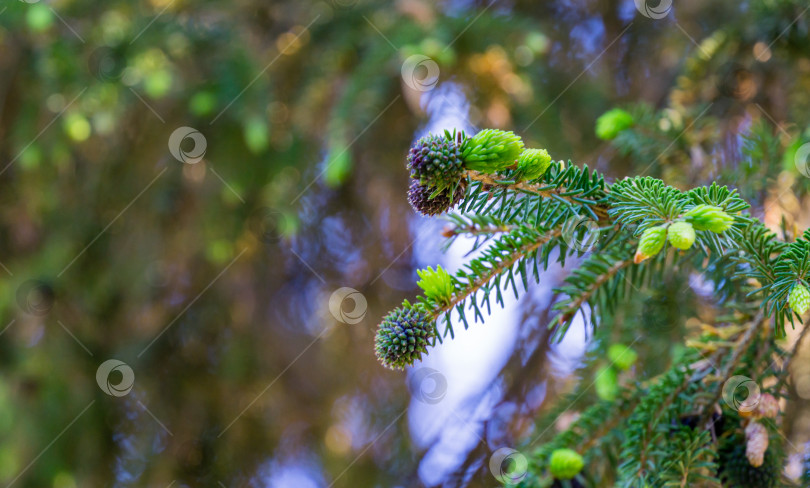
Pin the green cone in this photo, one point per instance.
(610, 123)
(532, 164)
(651, 242)
(403, 336)
(681, 235)
(622, 357)
(491, 150)
(709, 217)
(564, 464)
(606, 383)
(799, 299)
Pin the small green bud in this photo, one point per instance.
(491, 150)
(606, 382)
(651, 242)
(709, 217)
(564, 464)
(799, 299)
(40, 17)
(437, 284)
(532, 164)
(610, 123)
(681, 235)
(622, 356)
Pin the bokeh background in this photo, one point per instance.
(204, 262)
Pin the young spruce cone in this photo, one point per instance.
(435, 161)
(403, 336)
(419, 198)
(799, 299)
(564, 464)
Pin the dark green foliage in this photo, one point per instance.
(693, 462)
(649, 423)
(574, 483)
(645, 201)
(735, 471)
(522, 223)
(793, 266)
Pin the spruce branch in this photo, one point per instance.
(520, 207)
(737, 350)
(644, 430)
(518, 245)
(565, 183)
(693, 463)
(585, 282)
